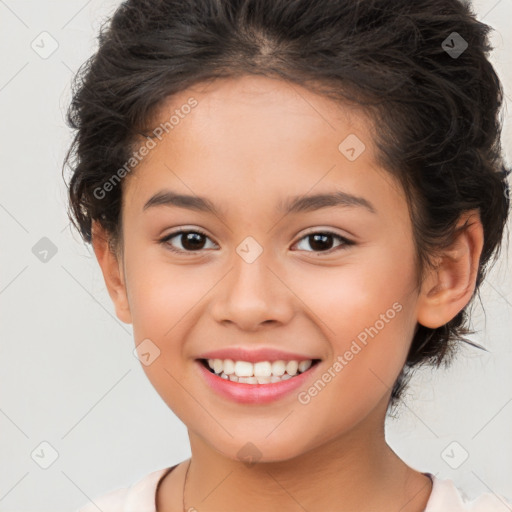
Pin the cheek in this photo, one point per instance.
(161, 295)
(162, 299)
(368, 287)
(366, 311)
(369, 347)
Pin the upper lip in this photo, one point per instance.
(254, 355)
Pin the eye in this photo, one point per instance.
(320, 240)
(191, 240)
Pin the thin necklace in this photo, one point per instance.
(190, 461)
(185, 484)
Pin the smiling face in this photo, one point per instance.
(254, 276)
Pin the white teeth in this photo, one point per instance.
(262, 372)
(248, 380)
(262, 369)
(217, 365)
(292, 367)
(229, 367)
(304, 365)
(278, 368)
(243, 369)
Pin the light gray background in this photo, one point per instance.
(68, 374)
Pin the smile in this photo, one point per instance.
(261, 372)
(258, 382)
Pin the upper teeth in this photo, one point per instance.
(259, 369)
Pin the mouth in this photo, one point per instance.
(260, 372)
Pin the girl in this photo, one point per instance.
(294, 203)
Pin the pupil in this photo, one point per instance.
(315, 238)
(193, 239)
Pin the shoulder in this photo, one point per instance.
(446, 497)
(111, 502)
(138, 497)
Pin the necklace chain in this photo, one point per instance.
(185, 484)
(190, 462)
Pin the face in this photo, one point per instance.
(333, 282)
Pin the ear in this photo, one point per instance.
(448, 288)
(112, 270)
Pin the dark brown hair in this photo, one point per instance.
(435, 113)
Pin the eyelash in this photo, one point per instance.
(165, 241)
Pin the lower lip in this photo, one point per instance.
(254, 393)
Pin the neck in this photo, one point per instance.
(347, 470)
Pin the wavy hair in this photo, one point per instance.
(436, 115)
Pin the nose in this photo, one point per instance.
(253, 295)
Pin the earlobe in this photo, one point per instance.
(112, 271)
(449, 287)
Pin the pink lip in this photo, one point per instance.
(254, 393)
(254, 355)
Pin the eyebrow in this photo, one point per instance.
(296, 204)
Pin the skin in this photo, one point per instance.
(251, 142)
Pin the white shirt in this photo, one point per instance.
(141, 497)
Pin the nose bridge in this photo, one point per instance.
(252, 293)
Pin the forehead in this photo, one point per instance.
(256, 138)
(265, 106)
